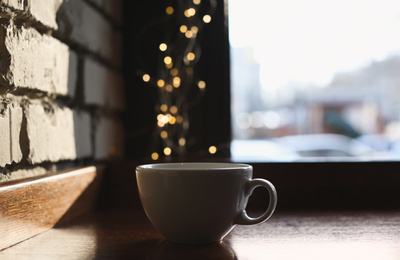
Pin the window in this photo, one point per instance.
(312, 80)
(302, 184)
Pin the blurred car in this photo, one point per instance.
(325, 145)
(311, 147)
(261, 151)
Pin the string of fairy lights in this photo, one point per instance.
(178, 53)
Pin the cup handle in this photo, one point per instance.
(243, 218)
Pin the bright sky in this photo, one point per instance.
(310, 40)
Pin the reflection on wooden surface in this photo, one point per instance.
(29, 207)
(287, 235)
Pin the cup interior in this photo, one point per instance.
(193, 166)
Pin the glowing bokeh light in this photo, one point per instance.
(176, 82)
(164, 134)
(173, 109)
(201, 84)
(212, 149)
(174, 72)
(160, 83)
(164, 107)
(191, 56)
(146, 77)
(167, 151)
(207, 18)
(182, 141)
(163, 47)
(183, 28)
(169, 10)
(167, 60)
(154, 156)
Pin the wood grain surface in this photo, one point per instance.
(287, 235)
(31, 206)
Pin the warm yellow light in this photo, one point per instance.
(169, 88)
(172, 120)
(191, 56)
(174, 72)
(183, 28)
(191, 11)
(201, 84)
(196, 2)
(159, 117)
(160, 124)
(212, 149)
(164, 107)
(167, 60)
(167, 151)
(154, 156)
(194, 29)
(182, 141)
(165, 119)
(179, 119)
(173, 109)
(186, 13)
(169, 66)
(188, 34)
(160, 83)
(176, 82)
(169, 10)
(164, 134)
(163, 47)
(146, 77)
(206, 18)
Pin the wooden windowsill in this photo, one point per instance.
(31, 206)
(119, 229)
(115, 234)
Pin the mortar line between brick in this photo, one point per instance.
(109, 18)
(11, 133)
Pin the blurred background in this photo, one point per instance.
(314, 80)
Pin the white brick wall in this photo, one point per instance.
(83, 134)
(36, 61)
(61, 87)
(112, 8)
(72, 73)
(103, 86)
(83, 25)
(10, 128)
(16, 4)
(44, 11)
(50, 131)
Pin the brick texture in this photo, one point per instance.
(10, 128)
(72, 73)
(81, 24)
(44, 11)
(15, 4)
(50, 132)
(61, 86)
(36, 61)
(83, 134)
(113, 9)
(103, 87)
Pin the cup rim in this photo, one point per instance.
(193, 166)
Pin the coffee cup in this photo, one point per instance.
(199, 202)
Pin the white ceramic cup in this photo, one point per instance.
(199, 202)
